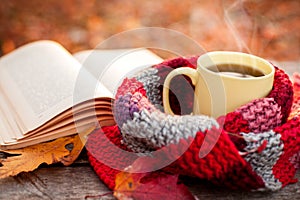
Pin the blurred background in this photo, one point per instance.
(270, 29)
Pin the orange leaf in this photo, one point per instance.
(151, 185)
(126, 184)
(155, 185)
(64, 150)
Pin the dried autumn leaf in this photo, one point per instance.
(126, 184)
(155, 185)
(149, 185)
(64, 150)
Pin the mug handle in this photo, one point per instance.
(190, 72)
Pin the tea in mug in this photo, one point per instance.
(241, 71)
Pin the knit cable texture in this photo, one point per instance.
(258, 144)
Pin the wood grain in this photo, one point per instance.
(59, 182)
(207, 191)
(79, 181)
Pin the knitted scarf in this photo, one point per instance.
(257, 146)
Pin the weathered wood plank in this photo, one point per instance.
(207, 191)
(79, 181)
(53, 183)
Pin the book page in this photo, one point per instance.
(9, 127)
(110, 67)
(39, 81)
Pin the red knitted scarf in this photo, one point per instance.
(258, 146)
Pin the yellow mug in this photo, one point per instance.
(224, 81)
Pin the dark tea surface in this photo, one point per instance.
(241, 71)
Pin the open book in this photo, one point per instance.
(47, 93)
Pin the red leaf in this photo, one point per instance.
(150, 186)
(162, 186)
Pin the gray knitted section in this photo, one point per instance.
(150, 79)
(149, 131)
(263, 162)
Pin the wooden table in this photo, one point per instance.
(79, 181)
